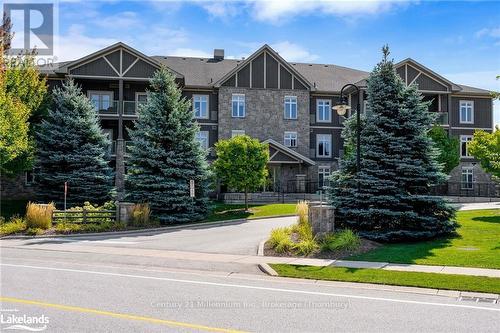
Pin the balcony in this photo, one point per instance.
(442, 118)
(112, 109)
(129, 108)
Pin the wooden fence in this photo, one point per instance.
(83, 216)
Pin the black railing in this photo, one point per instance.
(468, 189)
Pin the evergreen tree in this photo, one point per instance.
(398, 167)
(166, 156)
(73, 149)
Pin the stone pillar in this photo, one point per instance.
(322, 219)
(120, 149)
(124, 212)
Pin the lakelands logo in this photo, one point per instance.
(12, 321)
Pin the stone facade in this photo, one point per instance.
(264, 115)
(17, 188)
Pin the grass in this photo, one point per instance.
(221, 212)
(343, 240)
(476, 245)
(16, 225)
(379, 276)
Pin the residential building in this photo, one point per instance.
(286, 104)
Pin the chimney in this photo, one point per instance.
(218, 54)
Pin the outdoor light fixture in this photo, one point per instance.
(341, 110)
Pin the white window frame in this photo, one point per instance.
(101, 93)
(468, 172)
(237, 132)
(290, 100)
(464, 103)
(202, 116)
(203, 138)
(326, 172)
(288, 139)
(240, 100)
(328, 140)
(465, 139)
(137, 94)
(318, 118)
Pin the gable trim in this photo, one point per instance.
(450, 86)
(287, 151)
(266, 50)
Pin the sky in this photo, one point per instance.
(458, 39)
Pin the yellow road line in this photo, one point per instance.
(119, 315)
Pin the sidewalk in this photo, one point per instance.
(254, 259)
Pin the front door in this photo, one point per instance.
(274, 178)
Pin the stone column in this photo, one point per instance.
(124, 211)
(322, 218)
(120, 149)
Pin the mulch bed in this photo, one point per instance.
(366, 246)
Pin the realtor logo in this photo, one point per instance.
(33, 27)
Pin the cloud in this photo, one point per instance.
(293, 52)
(489, 32)
(278, 11)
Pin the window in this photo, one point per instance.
(323, 174)
(323, 145)
(291, 139)
(467, 178)
(140, 99)
(29, 177)
(466, 112)
(237, 132)
(101, 100)
(238, 106)
(290, 107)
(464, 143)
(202, 137)
(323, 111)
(200, 106)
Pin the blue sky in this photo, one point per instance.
(458, 39)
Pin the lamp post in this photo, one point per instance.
(341, 109)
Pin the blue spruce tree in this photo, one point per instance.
(72, 148)
(398, 166)
(166, 156)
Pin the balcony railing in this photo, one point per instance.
(442, 118)
(129, 108)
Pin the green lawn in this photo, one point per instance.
(221, 212)
(477, 245)
(379, 276)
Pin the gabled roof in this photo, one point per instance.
(290, 152)
(66, 66)
(274, 54)
(414, 63)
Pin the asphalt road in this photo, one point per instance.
(86, 294)
(228, 237)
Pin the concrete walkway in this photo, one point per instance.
(57, 245)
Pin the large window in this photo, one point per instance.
(238, 102)
(323, 111)
(464, 145)
(237, 132)
(323, 174)
(200, 106)
(290, 139)
(290, 107)
(202, 137)
(467, 178)
(101, 100)
(323, 145)
(466, 112)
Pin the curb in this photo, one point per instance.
(267, 269)
(260, 250)
(144, 231)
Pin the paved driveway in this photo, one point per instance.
(230, 238)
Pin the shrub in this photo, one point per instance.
(39, 215)
(15, 225)
(34, 231)
(342, 240)
(280, 240)
(68, 228)
(302, 210)
(140, 215)
(306, 247)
